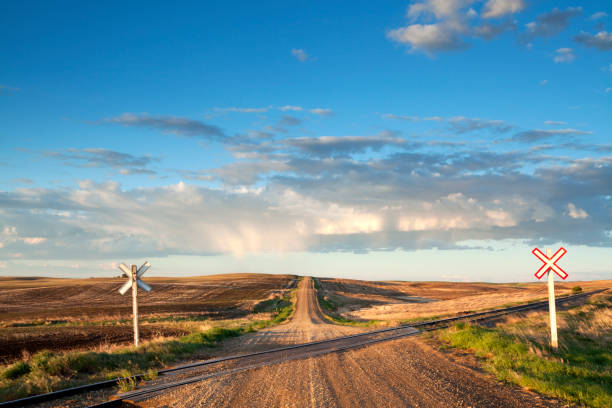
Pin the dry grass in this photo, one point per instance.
(518, 350)
(402, 301)
(591, 322)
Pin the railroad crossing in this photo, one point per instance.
(135, 282)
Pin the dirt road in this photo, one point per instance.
(398, 373)
(306, 325)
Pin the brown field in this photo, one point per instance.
(396, 300)
(66, 314)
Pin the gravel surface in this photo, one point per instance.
(398, 373)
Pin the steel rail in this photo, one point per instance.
(145, 393)
(434, 323)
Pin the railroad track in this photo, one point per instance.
(190, 373)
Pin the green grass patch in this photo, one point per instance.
(329, 310)
(271, 305)
(46, 371)
(348, 322)
(517, 351)
(328, 304)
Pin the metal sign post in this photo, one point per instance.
(550, 265)
(134, 282)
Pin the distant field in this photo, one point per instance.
(66, 314)
(397, 301)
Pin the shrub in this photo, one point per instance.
(16, 370)
(576, 289)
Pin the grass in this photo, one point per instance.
(518, 351)
(329, 310)
(46, 371)
(271, 305)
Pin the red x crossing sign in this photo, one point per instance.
(550, 263)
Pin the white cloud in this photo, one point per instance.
(428, 37)
(446, 25)
(564, 55)
(322, 111)
(442, 9)
(34, 240)
(544, 82)
(456, 211)
(290, 108)
(555, 122)
(9, 231)
(300, 54)
(598, 15)
(576, 213)
(321, 194)
(500, 8)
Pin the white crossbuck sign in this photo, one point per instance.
(145, 267)
(550, 262)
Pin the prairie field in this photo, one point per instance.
(395, 301)
(72, 314)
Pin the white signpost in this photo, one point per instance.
(134, 282)
(550, 266)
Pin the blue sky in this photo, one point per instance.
(404, 140)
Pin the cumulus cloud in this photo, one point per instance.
(500, 8)
(313, 200)
(300, 54)
(169, 124)
(576, 213)
(602, 40)
(446, 34)
(564, 55)
(34, 240)
(428, 37)
(448, 25)
(550, 24)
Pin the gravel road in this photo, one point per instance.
(398, 373)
